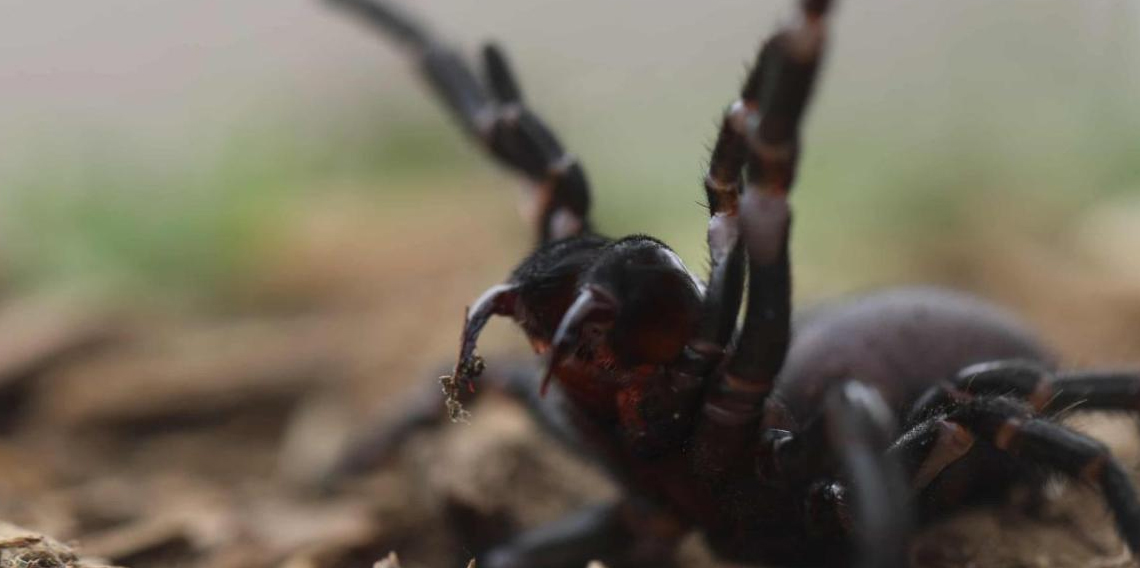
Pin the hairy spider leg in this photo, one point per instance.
(767, 122)
(1045, 390)
(497, 117)
(776, 94)
(1010, 428)
(851, 434)
(859, 426)
(725, 289)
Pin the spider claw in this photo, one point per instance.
(499, 75)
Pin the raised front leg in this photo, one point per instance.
(725, 289)
(496, 116)
(768, 119)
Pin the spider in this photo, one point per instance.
(824, 448)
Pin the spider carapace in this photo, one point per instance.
(882, 413)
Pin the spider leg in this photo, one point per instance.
(496, 116)
(1005, 426)
(868, 505)
(1045, 390)
(725, 289)
(623, 534)
(768, 119)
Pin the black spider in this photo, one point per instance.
(778, 451)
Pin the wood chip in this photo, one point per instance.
(40, 333)
(192, 373)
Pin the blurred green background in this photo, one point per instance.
(157, 150)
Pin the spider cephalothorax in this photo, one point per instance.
(883, 412)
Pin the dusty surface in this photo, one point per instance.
(21, 548)
(153, 440)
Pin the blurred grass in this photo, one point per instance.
(861, 205)
(112, 227)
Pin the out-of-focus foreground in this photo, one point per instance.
(231, 235)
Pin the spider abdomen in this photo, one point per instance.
(900, 341)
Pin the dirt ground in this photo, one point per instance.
(147, 439)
